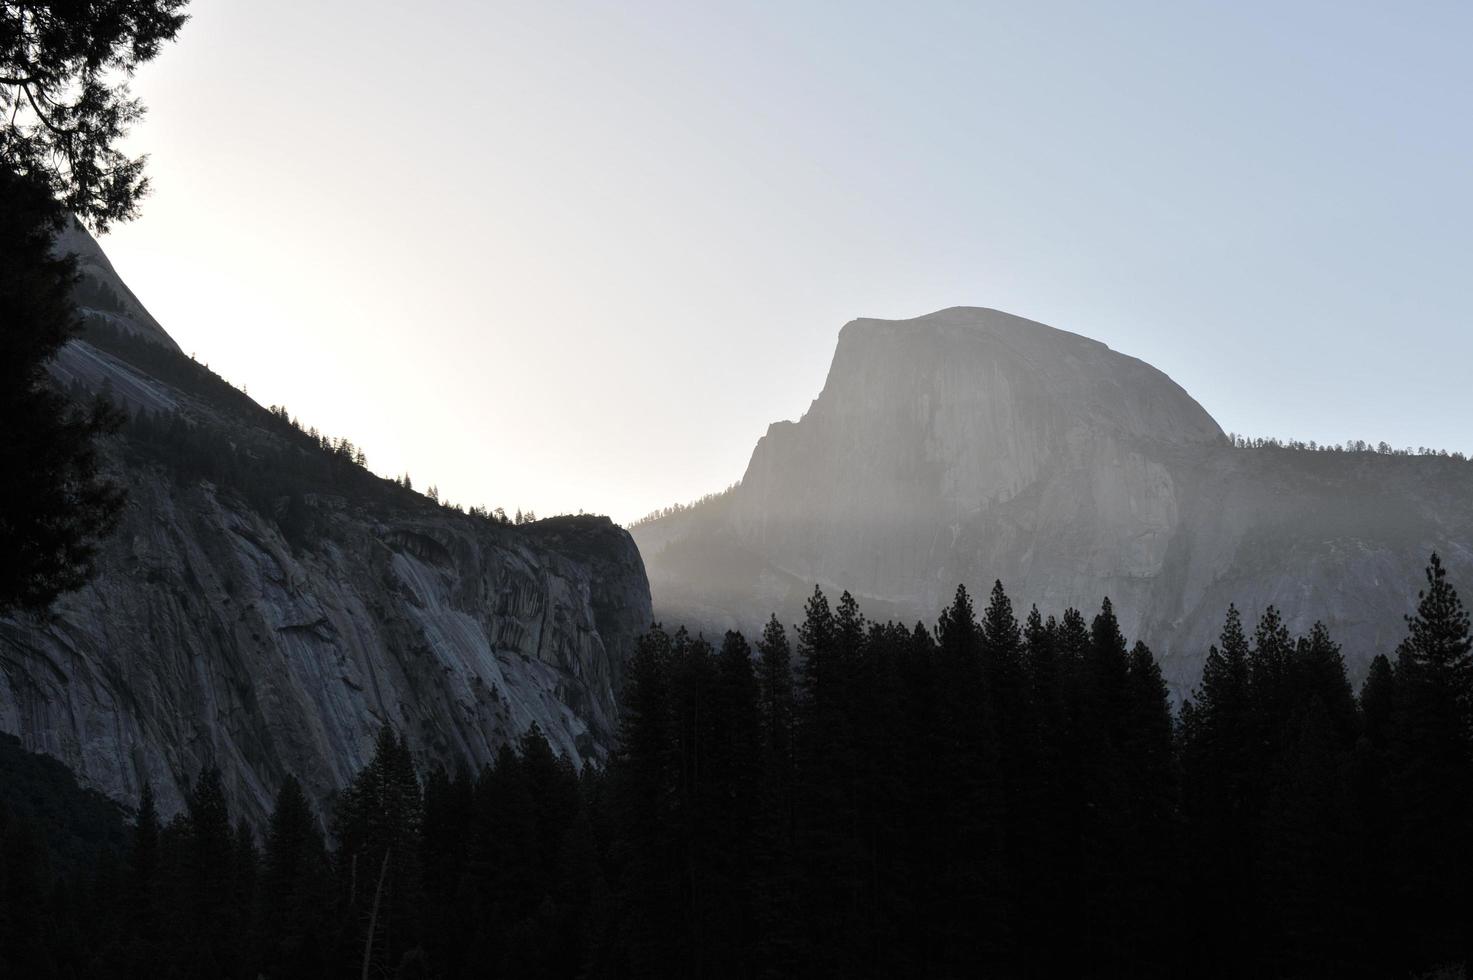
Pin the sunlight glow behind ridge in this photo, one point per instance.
(584, 254)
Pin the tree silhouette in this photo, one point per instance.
(54, 505)
(296, 888)
(64, 97)
(377, 825)
(1432, 771)
(1283, 829)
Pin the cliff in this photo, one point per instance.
(970, 445)
(266, 606)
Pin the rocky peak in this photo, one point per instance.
(102, 293)
(970, 445)
(960, 410)
(984, 365)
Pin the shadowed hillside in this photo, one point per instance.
(268, 603)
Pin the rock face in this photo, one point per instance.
(970, 445)
(102, 292)
(209, 637)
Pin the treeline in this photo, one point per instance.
(1015, 799)
(466, 876)
(1383, 448)
(271, 475)
(991, 797)
(678, 508)
(272, 478)
(1006, 798)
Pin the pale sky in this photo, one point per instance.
(566, 255)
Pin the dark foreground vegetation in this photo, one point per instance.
(65, 108)
(988, 798)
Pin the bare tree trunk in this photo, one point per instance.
(373, 917)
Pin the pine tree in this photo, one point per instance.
(736, 803)
(1304, 872)
(1104, 831)
(1432, 772)
(208, 855)
(974, 922)
(67, 111)
(775, 684)
(1106, 670)
(816, 643)
(693, 726)
(1379, 918)
(143, 867)
(295, 888)
(553, 785)
(1319, 672)
(1271, 688)
(543, 941)
(643, 773)
(1153, 855)
(1004, 681)
(885, 786)
(1378, 701)
(579, 894)
(1073, 639)
(56, 504)
(776, 900)
(503, 885)
(1047, 888)
(1436, 653)
(1005, 690)
(377, 824)
(1149, 731)
(245, 873)
(1217, 773)
(445, 850)
(827, 801)
(69, 107)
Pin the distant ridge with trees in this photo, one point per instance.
(269, 473)
(1383, 448)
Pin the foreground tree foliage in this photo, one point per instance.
(53, 503)
(993, 797)
(64, 69)
(64, 108)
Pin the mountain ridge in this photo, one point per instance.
(266, 603)
(969, 445)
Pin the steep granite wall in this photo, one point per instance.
(970, 445)
(210, 638)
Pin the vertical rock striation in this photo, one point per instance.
(210, 637)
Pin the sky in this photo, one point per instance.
(568, 255)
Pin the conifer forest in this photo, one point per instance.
(998, 795)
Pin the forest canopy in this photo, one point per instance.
(993, 795)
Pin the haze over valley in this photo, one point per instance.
(970, 445)
(1055, 418)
